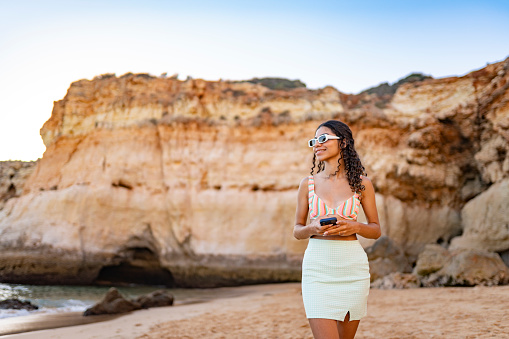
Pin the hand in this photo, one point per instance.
(343, 227)
(316, 228)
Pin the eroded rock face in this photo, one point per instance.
(469, 268)
(485, 220)
(195, 181)
(13, 175)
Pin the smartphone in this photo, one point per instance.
(328, 221)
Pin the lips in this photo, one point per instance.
(319, 151)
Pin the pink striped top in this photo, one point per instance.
(348, 209)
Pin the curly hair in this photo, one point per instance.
(353, 165)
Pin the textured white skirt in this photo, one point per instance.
(335, 279)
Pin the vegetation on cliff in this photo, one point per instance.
(384, 88)
(276, 83)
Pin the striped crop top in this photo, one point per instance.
(348, 209)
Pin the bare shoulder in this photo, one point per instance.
(366, 182)
(304, 181)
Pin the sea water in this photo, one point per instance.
(55, 299)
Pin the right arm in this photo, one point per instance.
(301, 230)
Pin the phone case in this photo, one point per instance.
(328, 221)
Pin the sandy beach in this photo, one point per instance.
(276, 311)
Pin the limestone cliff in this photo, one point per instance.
(194, 182)
(13, 175)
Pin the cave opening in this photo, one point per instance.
(139, 266)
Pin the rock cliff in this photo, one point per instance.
(13, 175)
(193, 183)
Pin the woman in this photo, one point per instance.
(335, 270)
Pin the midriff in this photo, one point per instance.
(335, 237)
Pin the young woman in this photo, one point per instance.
(335, 270)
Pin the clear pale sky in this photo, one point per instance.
(351, 45)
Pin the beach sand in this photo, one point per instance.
(47, 321)
(276, 311)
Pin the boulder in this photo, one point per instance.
(157, 298)
(17, 304)
(397, 280)
(431, 259)
(485, 221)
(380, 267)
(112, 303)
(386, 257)
(469, 268)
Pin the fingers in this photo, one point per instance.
(344, 230)
(335, 230)
(332, 232)
(329, 227)
(334, 226)
(322, 229)
(342, 227)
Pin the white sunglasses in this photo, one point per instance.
(321, 139)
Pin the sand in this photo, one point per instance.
(47, 321)
(276, 311)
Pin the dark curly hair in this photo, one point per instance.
(353, 165)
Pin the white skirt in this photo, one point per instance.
(335, 279)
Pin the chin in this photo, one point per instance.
(322, 157)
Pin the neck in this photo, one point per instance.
(331, 166)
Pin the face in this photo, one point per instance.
(328, 149)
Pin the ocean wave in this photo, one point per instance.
(71, 305)
(14, 313)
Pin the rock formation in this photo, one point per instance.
(485, 220)
(397, 280)
(193, 183)
(385, 257)
(13, 175)
(467, 268)
(157, 298)
(114, 302)
(432, 259)
(17, 304)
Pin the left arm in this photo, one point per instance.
(371, 230)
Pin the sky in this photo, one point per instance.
(351, 45)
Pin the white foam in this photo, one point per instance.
(13, 313)
(71, 305)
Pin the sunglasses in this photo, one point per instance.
(321, 139)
